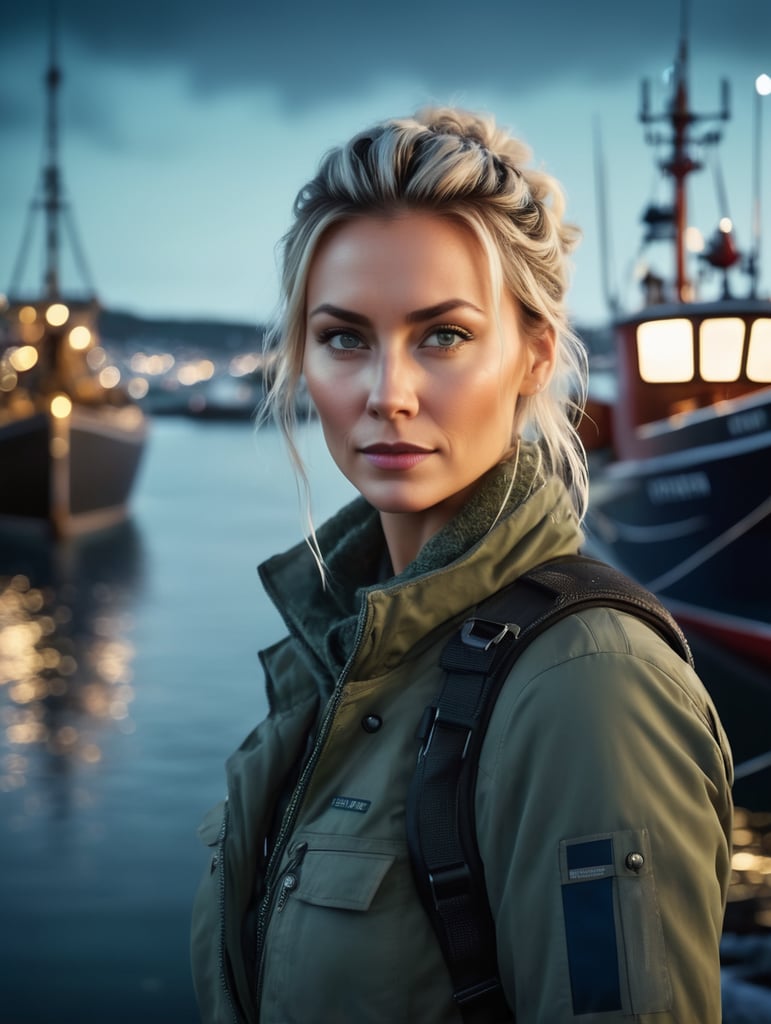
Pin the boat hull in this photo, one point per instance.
(693, 521)
(72, 473)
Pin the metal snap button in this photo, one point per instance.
(634, 861)
(371, 723)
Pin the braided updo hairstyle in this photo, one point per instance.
(463, 166)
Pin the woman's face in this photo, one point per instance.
(414, 376)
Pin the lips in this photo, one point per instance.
(396, 448)
(395, 456)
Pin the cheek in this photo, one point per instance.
(334, 403)
(317, 382)
(484, 403)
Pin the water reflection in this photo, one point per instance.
(65, 662)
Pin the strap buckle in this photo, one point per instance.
(490, 987)
(449, 883)
(428, 729)
(482, 634)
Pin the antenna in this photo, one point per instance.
(608, 290)
(762, 88)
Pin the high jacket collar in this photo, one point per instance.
(367, 625)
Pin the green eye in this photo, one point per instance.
(447, 337)
(342, 341)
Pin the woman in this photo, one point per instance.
(424, 281)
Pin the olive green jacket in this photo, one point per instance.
(603, 799)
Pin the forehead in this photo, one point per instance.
(416, 251)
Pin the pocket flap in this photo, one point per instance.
(342, 879)
(210, 829)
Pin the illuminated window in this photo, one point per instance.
(665, 351)
(721, 345)
(759, 355)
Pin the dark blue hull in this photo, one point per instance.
(72, 474)
(693, 521)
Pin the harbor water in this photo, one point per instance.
(128, 673)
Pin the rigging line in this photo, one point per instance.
(610, 291)
(720, 189)
(752, 765)
(35, 204)
(77, 249)
(712, 548)
(21, 258)
(662, 532)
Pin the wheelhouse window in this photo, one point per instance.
(759, 354)
(665, 351)
(721, 347)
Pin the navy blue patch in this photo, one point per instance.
(348, 803)
(590, 859)
(590, 928)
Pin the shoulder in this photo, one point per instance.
(603, 676)
(604, 645)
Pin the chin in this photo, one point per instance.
(395, 507)
(395, 503)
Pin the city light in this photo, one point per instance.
(23, 358)
(109, 377)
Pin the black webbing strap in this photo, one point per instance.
(444, 855)
(441, 827)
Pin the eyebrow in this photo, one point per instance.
(416, 317)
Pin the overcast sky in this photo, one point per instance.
(188, 128)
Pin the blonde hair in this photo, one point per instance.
(463, 166)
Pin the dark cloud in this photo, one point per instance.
(311, 51)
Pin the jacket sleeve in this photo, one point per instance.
(604, 821)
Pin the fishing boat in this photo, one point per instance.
(681, 494)
(71, 438)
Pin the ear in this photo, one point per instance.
(541, 357)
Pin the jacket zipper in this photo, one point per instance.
(221, 865)
(291, 878)
(290, 815)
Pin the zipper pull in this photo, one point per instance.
(291, 878)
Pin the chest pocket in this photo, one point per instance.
(349, 915)
(340, 879)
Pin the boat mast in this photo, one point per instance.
(52, 198)
(680, 163)
(49, 195)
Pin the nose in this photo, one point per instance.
(393, 389)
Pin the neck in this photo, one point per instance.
(406, 533)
